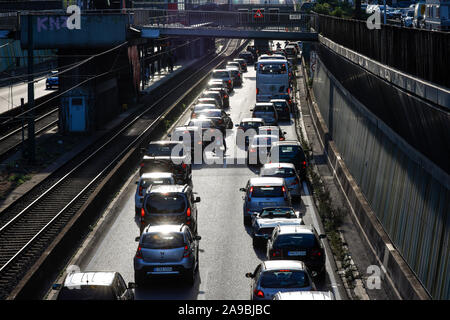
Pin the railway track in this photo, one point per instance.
(28, 226)
(12, 140)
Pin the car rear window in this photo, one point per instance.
(145, 183)
(277, 213)
(160, 150)
(289, 151)
(263, 108)
(278, 172)
(203, 124)
(250, 124)
(165, 203)
(208, 113)
(220, 74)
(284, 279)
(272, 68)
(263, 141)
(280, 104)
(267, 192)
(162, 240)
(295, 240)
(86, 292)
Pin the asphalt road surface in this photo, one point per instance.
(226, 250)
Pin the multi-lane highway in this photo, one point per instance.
(226, 250)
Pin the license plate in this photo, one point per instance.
(163, 269)
(296, 253)
(268, 203)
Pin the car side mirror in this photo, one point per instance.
(322, 236)
(169, 135)
(197, 238)
(56, 286)
(249, 275)
(137, 239)
(242, 189)
(131, 285)
(197, 199)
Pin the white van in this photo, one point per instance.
(272, 78)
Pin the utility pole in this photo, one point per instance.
(31, 138)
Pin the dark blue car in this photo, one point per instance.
(52, 81)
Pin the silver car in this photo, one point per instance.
(146, 180)
(266, 192)
(166, 250)
(271, 277)
(286, 171)
(267, 111)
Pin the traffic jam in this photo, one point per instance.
(221, 205)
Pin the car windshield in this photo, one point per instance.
(162, 240)
(220, 74)
(284, 279)
(270, 213)
(145, 183)
(272, 68)
(278, 172)
(164, 150)
(86, 292)
(267, 192)
(165, 203)
(297, 240)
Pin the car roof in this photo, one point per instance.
(289, 229)
(288, 143)
(305, 295)
(165, 142)
(168, 188)
(278, 165)
(212, 105)
(283, 264)
(164, 228)
(264, 104)
(233, 68)
(211, 91)
(149, 175)
(252, 120)
(98, 278)
(264, 181)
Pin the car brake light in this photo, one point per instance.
(229, 81)
(295, 182)
(304, 164)
(142, 212)
(138, 253)
(290, 101)
(225, 96)
(186, 252)
(252, 150)
(184, 165)
(257, 90)
(142, 164)
(188, 213)
(140, 191)
(282, 139)
(316, 253)
(258, 293)
(276, 253)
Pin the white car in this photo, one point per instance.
(304, 295)
(286, 171)
(145, 181)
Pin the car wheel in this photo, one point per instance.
(139, 278)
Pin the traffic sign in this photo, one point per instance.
(258, 14)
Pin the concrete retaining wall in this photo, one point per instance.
(401, 205)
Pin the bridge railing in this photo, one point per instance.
(246, 20)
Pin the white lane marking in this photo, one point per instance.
(309, 201)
